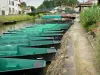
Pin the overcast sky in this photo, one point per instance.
(36, 3)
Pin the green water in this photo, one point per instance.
(5, 28)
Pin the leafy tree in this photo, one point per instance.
(23, 4)
(42, 6)
(72, 2)
(99, 2)
(58, 2)
(32, 8)
(47, 4)
(65, 2)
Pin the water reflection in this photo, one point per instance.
(5, 28)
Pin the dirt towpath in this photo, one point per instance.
(75, 57)
(83, 51)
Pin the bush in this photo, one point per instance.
(90, 16)
(31, 14)
(92, 27)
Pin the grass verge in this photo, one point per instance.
(17, 18)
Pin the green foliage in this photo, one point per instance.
(32, 8)
(58, 2)
(92, 27)
(46, 4)
(42, 6)
(53, 3)
(98, 2)
(65, 2)
(90, 16)
(23, 4)
(31, 14)
(71, 2)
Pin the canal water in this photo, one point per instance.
(5, 28)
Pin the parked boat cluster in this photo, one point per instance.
(27, 51)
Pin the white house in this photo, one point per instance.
(92, 1)
(9, 7)
(27, 10)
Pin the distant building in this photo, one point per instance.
(10, 7)
(92, 1)
(27, 10)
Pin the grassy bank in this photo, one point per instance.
(17, 18)
(90, 19)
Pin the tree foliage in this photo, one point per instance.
(47, 4)
(42, 6)
(23, 4)
(54, 3)
(65, 2)
(32, 8)
(98, 2)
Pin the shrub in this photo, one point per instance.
(31, 14)
(92, 27)
(90, 16)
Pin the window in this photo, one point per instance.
(9, 2)
(13, 10)
(3, 12)
(12, 3)
(9, 10)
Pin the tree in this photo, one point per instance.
(47, 4)
(65, 2)
(72, 2)
(42, 6)
(23, 4)
(32, 8)
(98, 2)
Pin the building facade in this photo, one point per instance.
(27, 10)
(9, 7)
(93, 1)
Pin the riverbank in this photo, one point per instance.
(76, 56)
(12, 19)
(90, 20)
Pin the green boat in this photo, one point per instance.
(53, 31)
(13, 36)
(42, 27)
(13, 66)
(35, 43)
(30, 35)
(24, 52)
(46, 43)
(51, 16)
